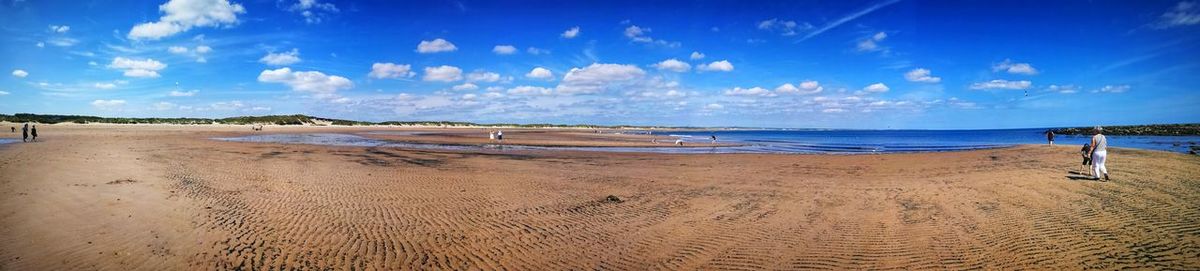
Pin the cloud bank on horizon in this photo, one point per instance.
(848, 64)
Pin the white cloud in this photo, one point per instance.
(786, 28)
(41, 44)
(313, 10)
(713, 106)
(313, 82)
(536, 51)
(176, 93)
(876, 88)
(504, 49)
(281, 59)
(530, 90)
(442, 73)
(198, 52)
(806, 88)
(1002, 84)
(634, 31)
(62, 41)
(465, 86)
(183, 15)
(2, 93)
(1067, 89)
(1014, 68)
(754, 91)
(227, 106)
(540, 73)
(108, 104)
(723, 66)
(871, 44)
(59, 28)
(435, 46)
(673, 65)
(20, 73)
(483, 76)
(638, 34)
(697, 56)
(137, 68)
(104, 85)
(571, 33)
(1184, 13)
(390, 70)
(163, 106)
(598, 77)
(921, 75)
(1112, 89)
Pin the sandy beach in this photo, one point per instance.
(167, 197)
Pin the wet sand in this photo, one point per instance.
(540, 137)
(160, 197)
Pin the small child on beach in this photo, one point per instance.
(1087, 159)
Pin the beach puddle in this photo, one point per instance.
(7, 140)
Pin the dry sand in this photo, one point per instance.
(168, 198)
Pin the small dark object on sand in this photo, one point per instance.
(121, 181)
(612, 198)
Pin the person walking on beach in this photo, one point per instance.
(25, 133)
(1050, 137)
(14, 129)
(500, 135)
(714, 139)
(33, 132)
(1099, 153)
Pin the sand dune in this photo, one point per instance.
(167, 197)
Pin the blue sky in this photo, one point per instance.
(835, 64)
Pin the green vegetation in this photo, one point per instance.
(1187, 129)
(280, 120)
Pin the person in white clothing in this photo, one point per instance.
(1099, 154)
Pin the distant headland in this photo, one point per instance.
(1187, 129)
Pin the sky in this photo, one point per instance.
(876, 64)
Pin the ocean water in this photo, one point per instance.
(785, 141)
(885, 141)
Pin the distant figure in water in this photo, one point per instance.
(1087, 159)
(1050, 137)
(25, 133)
(714, 139)
(1099, 153)
(33, 132)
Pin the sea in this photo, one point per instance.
(890, 141)
(788, 141)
